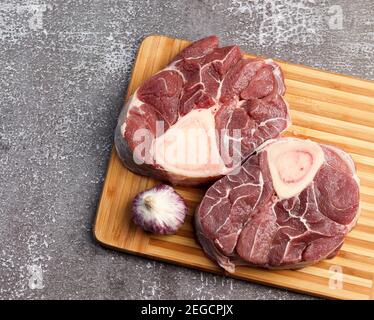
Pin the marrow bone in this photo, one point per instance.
(293, 165)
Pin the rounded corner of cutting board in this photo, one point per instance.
(150, 38)
(153, 37)
(99, 237)
(106, 242)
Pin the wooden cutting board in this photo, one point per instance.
(325, 107)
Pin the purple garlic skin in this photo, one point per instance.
(160, 210)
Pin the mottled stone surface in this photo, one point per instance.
(64, 66)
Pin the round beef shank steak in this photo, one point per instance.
(291, 204)
(202, 115)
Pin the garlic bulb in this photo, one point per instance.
(159, 210)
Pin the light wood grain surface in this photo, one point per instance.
(325, 107)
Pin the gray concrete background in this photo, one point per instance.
(64, 66)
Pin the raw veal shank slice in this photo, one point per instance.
(291, 204)
(198, 118)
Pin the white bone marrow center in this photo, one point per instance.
(190, 146)
(293, 165)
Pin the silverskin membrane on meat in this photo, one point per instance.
(291, 205)
(201, 116)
